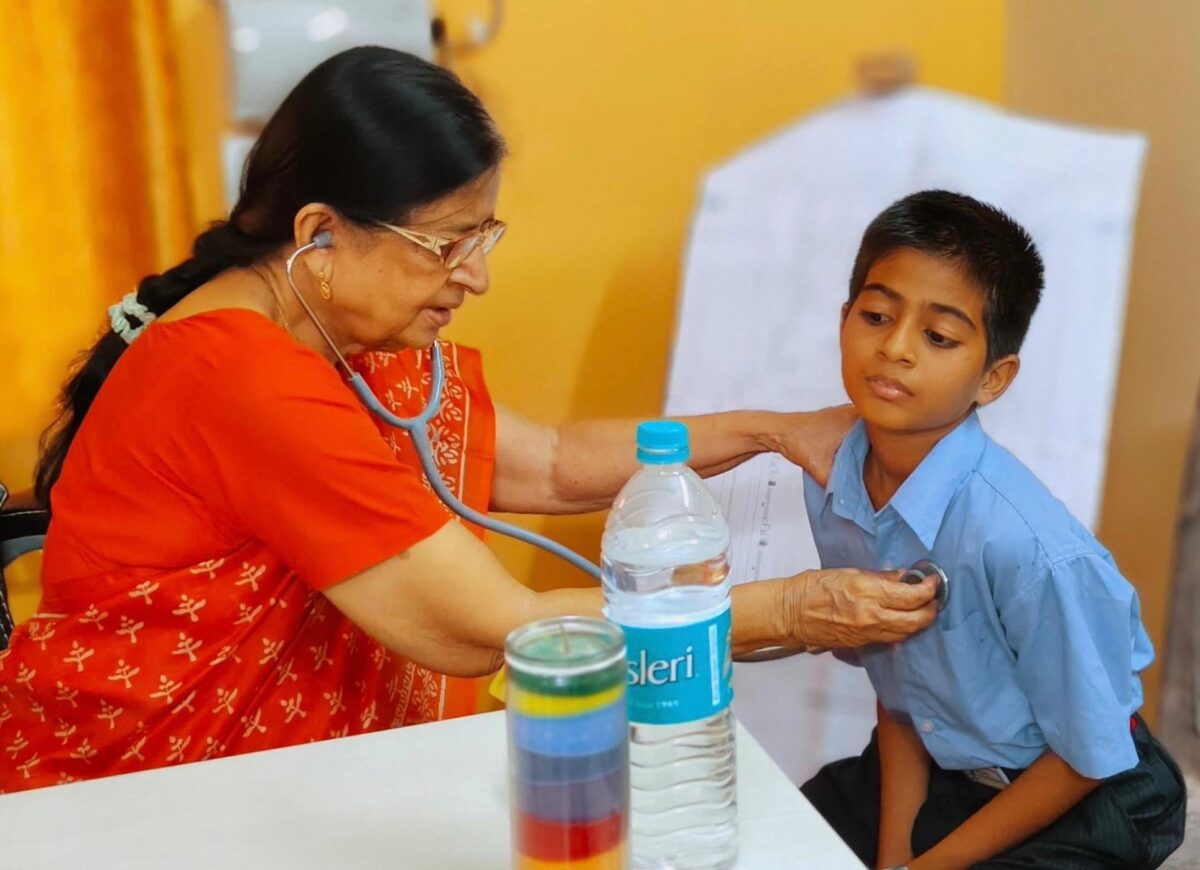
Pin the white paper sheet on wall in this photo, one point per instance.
(766, 273)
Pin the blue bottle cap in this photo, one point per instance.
(662, 442)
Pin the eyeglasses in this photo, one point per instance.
(453, 252)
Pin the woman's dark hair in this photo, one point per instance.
(373, 132)
(994, 252)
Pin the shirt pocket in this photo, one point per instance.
(961, 656)
(969, 681)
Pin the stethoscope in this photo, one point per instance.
(417, 429)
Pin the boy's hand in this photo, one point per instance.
(1037, 798)
(810, 439)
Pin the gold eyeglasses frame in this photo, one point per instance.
(452, 252)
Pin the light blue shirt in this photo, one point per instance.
(1041, 643)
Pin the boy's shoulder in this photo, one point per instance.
(1009, 509)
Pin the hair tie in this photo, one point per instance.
(120, 312)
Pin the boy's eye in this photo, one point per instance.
(873, 317)
(939, 340)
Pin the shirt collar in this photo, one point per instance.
(922, 500)
(846, 488)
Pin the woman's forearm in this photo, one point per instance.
(593, 459)
(580, 467)
(448, 604)
(759, 612)
(822, 608)
(815, 609)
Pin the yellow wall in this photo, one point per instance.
(613, 109)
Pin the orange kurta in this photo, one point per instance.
(222, 478)
(463, 435)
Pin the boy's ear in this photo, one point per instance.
(845, 311)
(997, 379)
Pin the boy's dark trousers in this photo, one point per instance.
(1134, 820)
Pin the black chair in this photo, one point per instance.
(23, 524)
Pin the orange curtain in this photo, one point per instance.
(93, 191)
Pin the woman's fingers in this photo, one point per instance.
(904, 596)
(896, 625)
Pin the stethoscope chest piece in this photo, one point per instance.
(927, 568)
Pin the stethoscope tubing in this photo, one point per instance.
(417, 429)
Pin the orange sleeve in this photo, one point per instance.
(298, 464)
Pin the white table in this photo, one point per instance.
(425, 797)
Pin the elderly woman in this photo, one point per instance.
(237, 560)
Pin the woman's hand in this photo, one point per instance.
(829, 608)
(845, 607)
(811, 438)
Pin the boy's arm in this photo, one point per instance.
(904, 785)
(1037, 798)
(1072, 626)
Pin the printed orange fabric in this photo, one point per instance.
(463, 435)
(222, 478)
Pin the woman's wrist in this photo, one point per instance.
(794, 606)
(761, 618)
(769, 431)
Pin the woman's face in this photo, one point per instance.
(388, 292)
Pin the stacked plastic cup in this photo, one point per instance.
(568, 745)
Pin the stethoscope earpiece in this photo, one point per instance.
(418, 427)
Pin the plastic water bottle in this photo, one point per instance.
(666, 583)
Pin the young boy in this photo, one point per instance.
(1007, 731)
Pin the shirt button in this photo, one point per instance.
(927, 726)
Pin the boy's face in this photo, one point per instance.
(914, 346)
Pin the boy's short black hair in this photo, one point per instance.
(994, 252)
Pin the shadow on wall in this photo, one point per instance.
(637, 294)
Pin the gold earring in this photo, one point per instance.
(326, 290)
